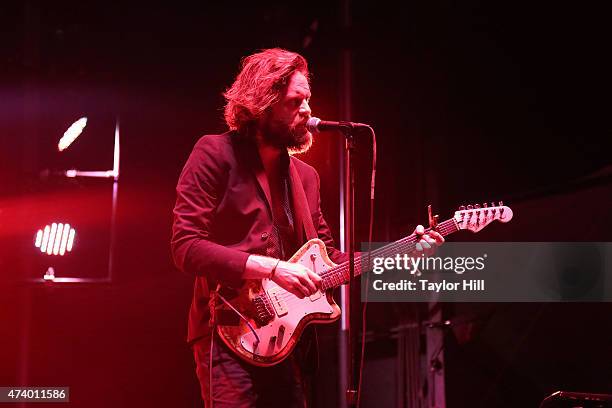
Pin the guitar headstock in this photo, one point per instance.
(476, 217)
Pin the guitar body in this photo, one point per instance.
(277, 318)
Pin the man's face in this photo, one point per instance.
(284, 125)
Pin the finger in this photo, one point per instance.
(431, 250)
(419, 247)
(308, 285)
(298, 291)
(429, 239)
(426, 247)
(425, 244)
(437, 236)
(316, 279)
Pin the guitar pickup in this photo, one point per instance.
(279, 304)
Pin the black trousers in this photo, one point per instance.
(239, 384)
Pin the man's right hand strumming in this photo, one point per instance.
(292, 277)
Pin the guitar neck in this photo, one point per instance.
(339, 274)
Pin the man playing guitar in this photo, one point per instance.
(244, 206)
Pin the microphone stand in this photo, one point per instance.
(347, 129)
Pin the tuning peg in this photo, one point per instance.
(476, 206)
(484, 205)
(501, 203)
(493, 204)
(433, 219)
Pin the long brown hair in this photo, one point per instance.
(259, 85)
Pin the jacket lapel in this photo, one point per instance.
(250, 154)
(262, 180)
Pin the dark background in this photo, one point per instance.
(472, 101)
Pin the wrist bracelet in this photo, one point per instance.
(274, 269)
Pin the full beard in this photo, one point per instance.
(294, 139)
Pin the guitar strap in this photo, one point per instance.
(300, 206)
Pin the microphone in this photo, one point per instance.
(316, 125)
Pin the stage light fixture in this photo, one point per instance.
(71, 134)
(55, 239)
(58, 238)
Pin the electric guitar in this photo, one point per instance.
(267, 321)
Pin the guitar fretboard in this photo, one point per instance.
(339, 274)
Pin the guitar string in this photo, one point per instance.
(407, 241)
(291, 300)
(336, 275)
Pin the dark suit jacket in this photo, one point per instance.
(223, 214)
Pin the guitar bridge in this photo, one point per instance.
(264, 312)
